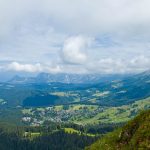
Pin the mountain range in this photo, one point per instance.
(66, 78)
(87, 89)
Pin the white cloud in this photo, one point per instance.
(74, 50)
(43, 31)
(112, 65)
(15, 66)
(102, 65)
(93, 17)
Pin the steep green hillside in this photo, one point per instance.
(133, 136)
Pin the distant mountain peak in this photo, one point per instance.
(65, 78)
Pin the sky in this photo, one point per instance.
(74, 36)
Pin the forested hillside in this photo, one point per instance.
(134, 135)
(15, 138)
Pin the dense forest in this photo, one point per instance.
(52, 137)
(47, 141)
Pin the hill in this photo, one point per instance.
(115, 92)
(121, 92)
(134, 135)
(42, 138)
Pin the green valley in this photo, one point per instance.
(84, 114)
(35, 114)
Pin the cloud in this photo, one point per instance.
(74, 50)
(104, 36)
(15, 66)
(110, 66)
(95, 17)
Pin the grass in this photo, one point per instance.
(134, 135)
(71, 131)
(62, 94)
(35, 134)
(117, 114)
(27, 111)
(32, 135)
(80, 106)
(101, 94)
(59, 93)
(58, 108)
(76, 107)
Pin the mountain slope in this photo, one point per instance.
(134, 135)
(66, 78)
(122, 92)
(110, 93)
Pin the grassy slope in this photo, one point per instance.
(133, 136)
(118, 114)
(71, 130)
